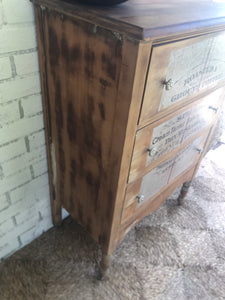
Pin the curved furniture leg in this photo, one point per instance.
(104, 265)
(183, 192)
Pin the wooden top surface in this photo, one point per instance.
(143, 19)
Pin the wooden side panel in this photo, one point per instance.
(96, 81)
(83, 75)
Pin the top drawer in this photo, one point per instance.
(180, 70)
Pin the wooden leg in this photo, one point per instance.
(183, 192)
(104, 265)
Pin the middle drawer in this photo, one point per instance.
(161, 140)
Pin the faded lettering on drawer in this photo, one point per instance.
(185, 68)
(180, 70)
(215, 62)
(167, 136)
(170, 134)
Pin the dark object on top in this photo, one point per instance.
(102, 2)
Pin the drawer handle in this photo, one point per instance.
(140, 198)
(168, 84)
(214, 109)
(152, 151)
(200, 150)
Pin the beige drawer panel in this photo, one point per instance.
(149, 186)
(157, 140)
(191, 65)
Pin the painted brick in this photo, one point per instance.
(8, 247)
(12, 166)
(28, 236)
(36, 139)
(21, 128)
(36, 155)
(18, 230)
(12, 149)
(9, 113)
(40, 168)
(5, 68)
(15, 210)
(32, 105)
(17, 38)
(35, 232)
(1, 15)
(26, 63)
(5, 227)
(19, 87)
(12, 182)
(43, 193)
(28, 189)
(3, 203)
(18, 11)
(27, 214)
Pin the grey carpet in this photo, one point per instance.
(175, 253)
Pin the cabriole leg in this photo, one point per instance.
(104, 265)
(183, 192)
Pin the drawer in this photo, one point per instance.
(148, 187)
(180, 70)
(157, 141)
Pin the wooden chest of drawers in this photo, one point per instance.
(131, 96)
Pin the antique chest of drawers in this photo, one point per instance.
(131, 96)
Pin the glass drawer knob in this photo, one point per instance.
(215, 109)
(168, 84)
(140, 198)
(200, 150)
(152, 151)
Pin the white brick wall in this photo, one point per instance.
(24, 192)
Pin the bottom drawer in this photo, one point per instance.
(147, 188)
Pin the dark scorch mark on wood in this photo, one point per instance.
(71, 122)
(73, 172)
(102, 110)
(80, 212)
(108, 66)
(58, 106)
(89, 56)
(54, 51)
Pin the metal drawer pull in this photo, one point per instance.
(214, 109)
(168, 84)
(151, 152)
(200, 150)
(140, 198)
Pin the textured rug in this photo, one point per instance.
(175, 253)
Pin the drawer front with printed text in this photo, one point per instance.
(148, 187)
(178, 71)
(155, 142)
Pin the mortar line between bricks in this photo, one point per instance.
(18, 77)
(20, 138)
(18, 52)
(24, 154)
(20, 25)
(25, 183)
(21, 98)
